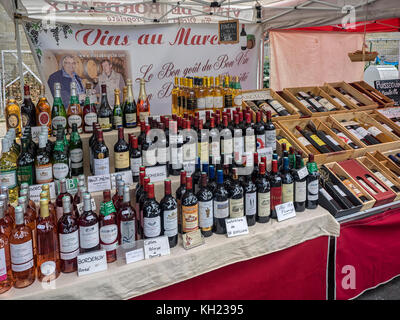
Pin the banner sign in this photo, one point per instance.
(110, 55)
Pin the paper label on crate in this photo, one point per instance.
(126, 178)
(99, 183)
(236, 227)
(285, 211)
(256, 95)
(92, 262)
(37, 188)
(156, 247)
(157, 173)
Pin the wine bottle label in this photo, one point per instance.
(305, 103)
(221, 209)
(121, 160)
(374, 131)
(149, 157)
(43, 118)
(143, 116)
(260, 142)
(287, 192)
(236, 208)
(218, 102)
(366, 186)
(60, 170)
(8, 178)
(89, 236)
(127, 229)
(251, 203)
(189, 151)
(176, 157)
(300, 194)
(276, 196)
(203, 151)
(352, 188)
(209, 102)
(387, 127)
(130, 118)
(162, 155)
(332, 140)
(303, 141)
(13, 120)
(312, 190)
(384, 179)
(362, 132)
(76, 156)
(25, 119)
(250, 142)
(317, 140)
(226, 146)
(104, 122)
(190, 218)
(356, 134)
(108, 237)
(238, 142)
(44, 173)
(59, 120)
(117, 121)
(228, 101)
(238, 100)
(376, 184)
(315, 103)
(201, 103)
(189, 167)
(326, 195)
(277, 106)
(206, 214)
(90, 118)
(264, 204)
(25, 174)
(47, 268)
(3, 265)
(101, 166)
(243, 41)
(340, 191)
(69, 245)
(351, 99)
(21, 256)
(342, 136)
(135, 166)
(270, 139)
(75, 118)
(215, 149)
(340, 102)
(152, 227)
(170, 222)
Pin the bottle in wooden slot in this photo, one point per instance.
(276, 189)
(25, 165)
(263, 202)
(325, 103)
(48, 259)
(360, 132)
(151, 215)
(105, 113)
(117, 111)
(349, 97)
(356, 191)
(376, 133)
(101, 156)
(43, 111)
(143, 104)
(302, 97)
(385, 180)
(88, 223)
(74, 111)
(300, 184)
(6, 278)
(130, 108)
(221, 205)
(63, 193)
(312, 183)
(21, 252)
(108, 227)
(169, 215)
(331, 143)
(28, 110)
(68, 235)
(13, 115)
(8, 170)
(278, 107)
(89, 111)
(345, 138)
(58, 113)
(127, 222)
(316, 105)
(315, 141)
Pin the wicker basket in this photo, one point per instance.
(362, 56)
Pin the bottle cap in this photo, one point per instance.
(19, 215)
(66, 201)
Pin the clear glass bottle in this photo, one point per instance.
(108, 227)
(6, 279)
(127, 221)
(88, 227)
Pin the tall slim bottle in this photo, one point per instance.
(169, 215)
(108, 227)
(117, 112)
(263, 195)
(221, 205)
(151, 215)
(88, 227)
(105, 113)
(127, 221)
(28, 110)
(206, 207)
(43, 111)
(58, 113)
(8, 170)
(130, 108)
(74, 112)
(312, 183)
(143, 104)
(89, 111)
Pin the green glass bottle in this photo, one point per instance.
(25, 164)
(58, 113)
(130, 110)
(117, 113)
(43, 165)
(75, 152)
(60, 157)
(8, 170)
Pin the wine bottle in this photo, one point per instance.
(101, 158)
(105, 114)
(236, 197)
(226, 138)
(169, 215)
(345, 138)
(300, 185)
(88, 223)
(128, 224)
(270, 133)
(63, 193)
(148, 150)
(385, 180)
(327, 139)
(143, 104)
(314, 140)
(221, 205)
(130, 109)
(28, 110)
(135, 158)
(243, 38)
(117, 112)
(287, 182)
(151, 215)
(121, 152)
(276, 188)
(263, 195)
(76, 152)
(259, 131)
(353, 188)
(108, 227)
(25, 165)
(74, 112)
(6, 278)
(312, 183)
(176, 149)
(60, 157)
(190, 208)
(89, 111)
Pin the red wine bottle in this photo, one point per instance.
(276, 188)
(263, 195)
(151, 215)
(221, 205)
(206, 207)
(169, 215)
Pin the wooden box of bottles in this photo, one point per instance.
(304, 143)
(338, 99)
(283, 137)
(314, 91)
(335, 196)
(351, 184)
(383, 161)
(369, 181)
(251, 97)
(375, 95)
(372, 126)
(386, 122)
(382, 174)
(366, 103)
(288, 100)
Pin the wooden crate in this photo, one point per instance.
(350, 116)
(338, 99)
(387, 123)
(316, 91)
(290, 128)
(375, 95)
(381, 160)
(288, 138)
(337, 170)
(288, 100)
(367, 103)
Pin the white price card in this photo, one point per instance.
(156, 247)
(126, 178)
(134, 255)
(79, 206)
(37, 188)
(256, 95)
(285, 211)
(92, 262)
(157, 173)
(302, 173)
(236, 227)
(99, 183)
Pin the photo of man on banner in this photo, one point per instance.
(111, 78)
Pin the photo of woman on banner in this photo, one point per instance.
(65, 76)
(111, 78)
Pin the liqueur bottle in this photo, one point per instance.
(127, 221)
(130, 108)
(89, 111)
(151, 215)
(43, 164)
(221, 205)
(68, 236)
(135, 156)
(276, 188)
(169, 215)
(101, 158)
(74, 112)
(21, 251)
(250, 200)
(117, 112)
(48, 260)
(6, 278)
(105, 114)
(58, 113)
(88, 224)
(13, 115)
(179, 193)
(63, 193)
(108, 227)
(206, 207)
(121, 152)
(28, 110)
(236, 197)
(287, 183)
(8, 170)
(43, 111)
(60, 157)
(312, 183)
(76, 152)
(300, 185)
(143, 104)
(218, 101)
(263, 196)
(25, 165)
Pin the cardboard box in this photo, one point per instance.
(375, 95)
(360, 173)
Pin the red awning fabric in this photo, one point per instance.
(385, 25)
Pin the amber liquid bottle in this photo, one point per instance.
(143, 104)
(21, 250)
(13, 116)
(48, 260)
(6, 280)
(108, 227)
(43, 111)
